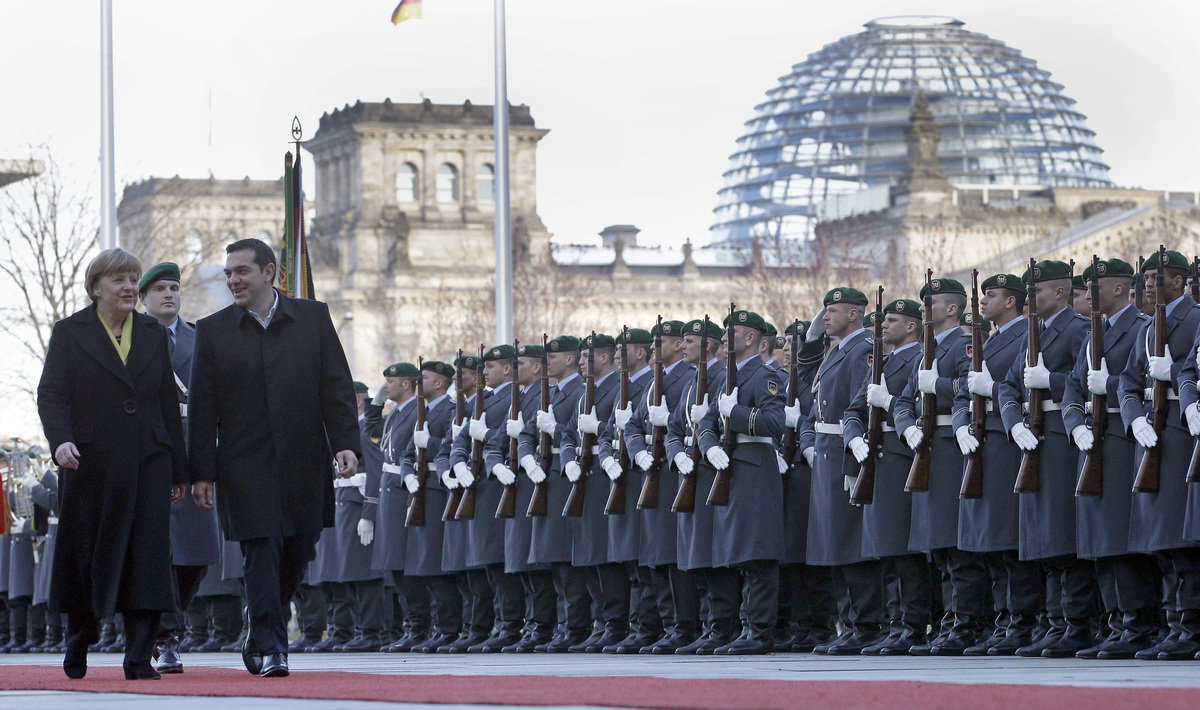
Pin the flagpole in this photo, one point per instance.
(108, 190)
(503, 225)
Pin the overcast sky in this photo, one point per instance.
(644, 99)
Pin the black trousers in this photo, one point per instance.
(969, 589)
(366, 605)
(187, 581)
(447, 602)
(273, 568)
(1128, 583)
(1024, 584)
(909, 593)
(1181, 568)
(508, 596)
(415, 600)
(724, 595)
(540, 599)
(571, 589)
(479, 611)
(1079, 597)
(311, 611)
(758, 587)
(859, 591)
(685, 597)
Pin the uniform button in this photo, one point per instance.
(129, 406)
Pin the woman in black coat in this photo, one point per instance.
(109, 409)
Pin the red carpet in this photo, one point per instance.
(637, 691)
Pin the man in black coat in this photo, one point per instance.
(270, 379)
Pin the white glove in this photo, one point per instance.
(479, 429)
(448, 480)
(1160, 367)
(462, 474)
(927, 380)
(1038, 376)
(791, 415)
(572, 470)
(366, 531)
(421, 437)
(1084, 439)
(683, 463)
(717, 457)
(514, 427)
(859, 448)
(783, 466)
(621, 417)
(699, 411)
(1193, 419)
(1023, 437)
(532, 470)
(810, 455)
(980, 383)
(503, 474)
(644, 460)
(659, 414)
(380, 395)
(878, 396)
(913, 436)
(1097, 380)
(410, 482)
(817, 329)
(455, 430)
(726, 402)
(589, 423)
(1143, 431)
(546, 423)
(528, 462)
(30, 481)
(848, 482)
(967, 443)
(611, 468)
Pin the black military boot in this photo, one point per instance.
(614, 633)
(999, 632)
(582, 646)
(679, 637)
(508, 633)
(536, 635)
(1138, 629)
(944, 626)
(1188, 644)
(1076, 638)
(1056, 630)
(338, 635)
(864, 635)
(1018, 634)
(895, 631)
(821, 633)
(759, 640)
(963, 635)
(1107, 633)
(912, 635)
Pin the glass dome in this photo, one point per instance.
(835, 125)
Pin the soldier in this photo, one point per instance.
(657, 550)
(22, 571)
(966, 588)
(44, 494)
(834, 525)
(1079, 296)
(1159, 520)
(1130, 584)
(888, 519)
(1047, 530)
(965, 324)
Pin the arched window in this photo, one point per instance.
(447, 183)
(193, 247)
(406, 183)
(485, 185)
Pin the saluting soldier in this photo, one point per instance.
(1047, 529)
(1159, 521)
(1130, 583)
(888, 519)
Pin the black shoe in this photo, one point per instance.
(300, 645)
(251, 657)
(529, 642)
(1180, 650)
(406, 642)
(362, 644)
(275, 665)
(904, 644)
(823, 648)
(856, 642)
(1151, 654)
(715, 640)
(497, 643)
(667, 645)
(758, 640)
(562, 644)
(963, 635)
(462, 643)
(591, 640)
(192, 642)
(140, 671)
(613, 634)
(1034, 650)
(234, 646)
(210, 645)
(809, 642)
(876, 648)
(985, 643)
(1127, 647)
(168, 659)
(1077, 638)
(435, 642)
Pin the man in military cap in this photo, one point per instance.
(1130, 583)
(1047, 530)
(834, 525)
(195, 538)
(767, 346)
(552, 534)
(965, 323)
(1079, 296)
(1159, 523)
(888, 519)
(966, 587)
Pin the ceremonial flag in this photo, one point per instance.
(406, 10)
(295, 273)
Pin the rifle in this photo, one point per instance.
(648, 500)
(918, 475)
(972, 483)
(466, 509)
(1030, 473)
(616, 492)
(1091, 476)
(508, 498)
(719, 493)
(460, 413)
(416, 507)
(1196, 279)
(1139, 287)
(864, 486)
(1146, 480)
(541, 493)
(685, 497)
(790, 439)
(574, 506)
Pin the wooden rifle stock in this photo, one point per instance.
(863, 492)
(1091, 473)
(719, 493)
(466, 508)
(460, 414)
(685, 497)
(918, 475)
(1029, 475)
(648, 499)
(615, 505)
(1150, 468)
(972, 483)
(507, 508)
(416, 507)
(790, 438)
(540, 500)
(574, 506)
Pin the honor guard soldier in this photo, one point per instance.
(834, 525)
(1079, 296)
(1159, 523)
(1047, 529)
(1130, 583)
(888, 518)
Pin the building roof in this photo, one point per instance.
(425, 113)
(204, 187)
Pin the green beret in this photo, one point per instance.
(770, 329)
(637, 336)
(467, 362)
(804, 326)
(1175, 260)
(904, 307)
(780, 341)
(158, 272)
(696, 327)
(503, 351)
(1115, 267)
(750, 319)
(438, 368)
(1051, 270)
(361, 388)
(563, 343)
(845, 294)
(669, 327)
(985, 324)
(940, 286)
(530, 351)
(1011, 282)
(869, 320)
(1078, 283)
(598, 340)
(401, 369)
